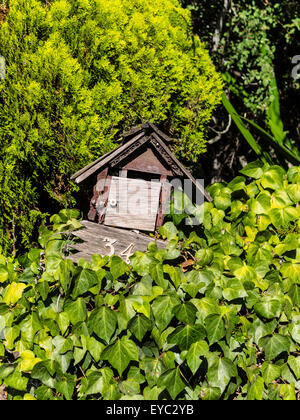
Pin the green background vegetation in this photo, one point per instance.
(79, 73)
(216, 315)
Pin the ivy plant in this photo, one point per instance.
(213, 316)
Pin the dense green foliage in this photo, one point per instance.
(254, 44)
(252, 38)
(214, 316)
(79, 73)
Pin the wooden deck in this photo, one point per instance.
(105, 240)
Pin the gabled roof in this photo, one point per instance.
(133, 140)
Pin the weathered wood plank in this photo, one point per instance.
(104, 240)
(133, 204)
(97, 232)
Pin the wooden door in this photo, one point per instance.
(133, 204)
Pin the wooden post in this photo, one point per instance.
(164, 198)
(105, 196)
(97, 192)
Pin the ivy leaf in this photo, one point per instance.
(64, 273)
(3, 274)
(220, 371)
(121, 354)
(141, 263)
(196, 350)
(44, 371)
(273, 178)
(268, 309)
(157, 273)
(253, 169)
(163, 310)
(6, 369)
(295, 331)
(103, 323)
(292, 271)
(118, 267)
(274, 345)
(76, 311)
(172, 381)
(287, 392)
(66, 386)
(13, 293)
(139, 326)
(84, 281)
(16, 381)
(185, 313)
(184, 337)
(280, 218)
(256, 389)
(270, 372)
(215, 328)
(294, 364)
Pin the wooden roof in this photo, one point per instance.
(133, 140)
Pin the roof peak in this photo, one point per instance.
(147, 128)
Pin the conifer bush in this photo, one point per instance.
(78, 74)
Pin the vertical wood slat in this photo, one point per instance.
(135, 204)
(164, 199)
(104, 198)
(97, 192)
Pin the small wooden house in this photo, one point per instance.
(130, 187)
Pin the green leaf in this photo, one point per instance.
(175, 274)
(220, 371)
(294, 364)
(3, 274)
(118, 267)
(76, 311)
(185, 313)
(168, 231)
(103, 323)
(94, 347)
(241, 126)
(139, 326)
(292, 271)
(66, 386)
(253, 169)
(268, 309)
(64, 273)
(282, 217)
(141, 263)
(13, 293)
(215, 328)
(16, 381)
(256, 389)
(273, 178)
(274, 345)
(172, 381)
(184, 337)
(94, 383)
(84, 281)
(270, 372)
(121, 354)
(287, 392)
(6, 369)
(163, 310)
(196, 350)
(157, 273)
(295, 332)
